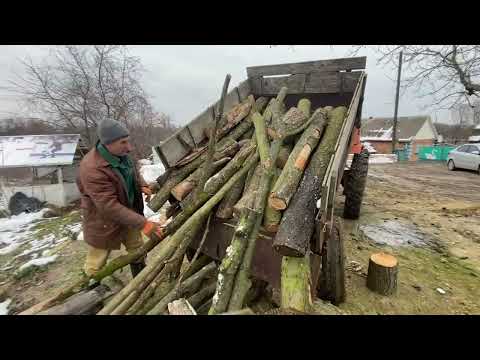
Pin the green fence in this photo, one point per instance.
(439, 153)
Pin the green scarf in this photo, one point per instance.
(124, 167)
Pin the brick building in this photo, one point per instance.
(412, 132)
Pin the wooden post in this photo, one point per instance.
(394, 132)
(382, 273)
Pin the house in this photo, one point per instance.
(51, 162)
(412, 133)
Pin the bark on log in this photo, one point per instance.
(272, 217)
(250, 193)
(297, 225)
(382, 273)
(181, 190)
(227, 149)
(283, 155)
(214, 183)
(286, 186)
(203, 309)
(206, 292)
(296, 283)
(85, 302)
(181, 307)
(235, 115)
(183, 288)
(225, 208)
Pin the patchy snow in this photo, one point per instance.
(12, 228)
(382, 158)
(369, 147)
(38, 262)
(4, 307)
(150, 173)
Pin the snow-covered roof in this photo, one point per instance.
(37, 150)
(381, 128)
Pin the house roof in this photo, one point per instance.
(381, 128)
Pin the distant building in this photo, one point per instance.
(412, 132)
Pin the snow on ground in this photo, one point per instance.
(149, 171)
(13, 228)
(38, 262)
(4, 307)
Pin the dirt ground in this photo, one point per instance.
(426, 216)
(429, 218)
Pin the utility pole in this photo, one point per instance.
(394, 132)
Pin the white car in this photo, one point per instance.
(465, 157)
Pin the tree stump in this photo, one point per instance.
(382, 273)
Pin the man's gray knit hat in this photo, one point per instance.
(110, 130)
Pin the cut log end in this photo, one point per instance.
(288, 251)
(382, 273)
(276, 203)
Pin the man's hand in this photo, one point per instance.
(151, 227)
(149, 190)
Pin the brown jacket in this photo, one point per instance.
(106, 215)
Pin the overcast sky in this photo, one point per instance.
(183, 79)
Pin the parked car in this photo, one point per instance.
(465, 157)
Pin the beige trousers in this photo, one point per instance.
(97, 258)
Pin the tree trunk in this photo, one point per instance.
(181, 307)
(291, 175)
(297, 224)
(382, 273)
(295, 283)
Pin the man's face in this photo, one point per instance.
(120, 147)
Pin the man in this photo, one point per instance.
(111, 199)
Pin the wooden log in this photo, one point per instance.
(203, 309)
(85, 302)
(286, 186)
(283, 155)
(296, 283)
(272, 217)
(206, 292)
(183, 288)
(180, 191)
(297, 225)
(250, 193)
(305, 106)
(225, 208)
(248, 225)
(227, 149)
(181, 307)
(214, 183)
(235, 115)
(382, 273)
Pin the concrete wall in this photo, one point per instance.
(56, 194)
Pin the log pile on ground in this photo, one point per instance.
(259, 166)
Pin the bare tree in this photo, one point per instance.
(78, 86)
(450, 74)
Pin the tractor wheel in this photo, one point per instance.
(331, 284)
(354, 185)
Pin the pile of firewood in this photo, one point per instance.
(262, 164)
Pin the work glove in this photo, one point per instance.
(151, 227)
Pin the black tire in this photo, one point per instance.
(451, 167)
(354, 185)
(331, 283)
